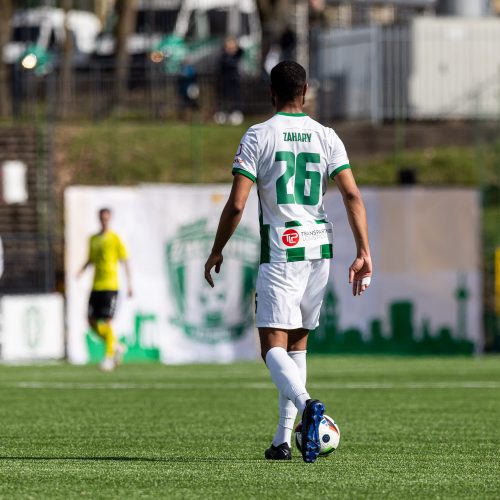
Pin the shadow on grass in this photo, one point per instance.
(141, 459)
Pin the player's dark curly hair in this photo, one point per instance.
(287, 80)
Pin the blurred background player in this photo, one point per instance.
(291, 158)
(106, 250)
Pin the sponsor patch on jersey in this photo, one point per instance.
(290, 238)
(309, 236)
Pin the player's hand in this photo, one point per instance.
(360, 274)
(215, 260)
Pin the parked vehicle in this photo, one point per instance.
(38, 37)
(154, 20)
(200, 29)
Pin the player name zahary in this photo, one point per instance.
(296, 137)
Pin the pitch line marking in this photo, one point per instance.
(249, 385)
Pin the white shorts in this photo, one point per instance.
(289, 294)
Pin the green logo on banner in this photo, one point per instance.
(224, 313)
(33, 327)
(138, 348)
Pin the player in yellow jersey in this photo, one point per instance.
(106, 250)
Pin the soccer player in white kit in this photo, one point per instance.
(291, 157)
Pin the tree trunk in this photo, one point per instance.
(66, 82)
(126, 13)
(5, 95)
(274, 15)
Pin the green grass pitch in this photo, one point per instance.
(411, 428)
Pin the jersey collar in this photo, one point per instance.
(282, 113)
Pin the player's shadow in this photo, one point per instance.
(138, 459)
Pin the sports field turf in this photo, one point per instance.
(411, 428)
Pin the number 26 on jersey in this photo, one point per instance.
(296, 166)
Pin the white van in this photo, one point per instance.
(41, 33)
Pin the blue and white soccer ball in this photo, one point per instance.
(329, 435)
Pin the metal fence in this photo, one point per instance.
(27, 226)
(429, 69)
(150, 94)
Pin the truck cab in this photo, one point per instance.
(199, 32)
(154, 20)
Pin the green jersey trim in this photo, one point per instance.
(295, 254)
(327, 251)
(295, 223)
(265, 246)
(245, 173)
(343, 167)
(282, 113)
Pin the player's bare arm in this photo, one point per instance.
(126, 266)
(83, 269)
(229, 220)
(361, 268)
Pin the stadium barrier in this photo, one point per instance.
(32, 327)
(425, 297)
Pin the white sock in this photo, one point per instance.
(288, 411)
(286, 376)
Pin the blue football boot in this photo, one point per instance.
(313, 413)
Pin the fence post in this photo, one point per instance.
(375, 70)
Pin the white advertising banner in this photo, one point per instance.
(173, 315)
(32, 327)
(424, 298)
(425, 295)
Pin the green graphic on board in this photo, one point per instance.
(404, 335)
(137, 349)
(224, 313)
(33, 326)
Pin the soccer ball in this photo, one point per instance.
(329, 435)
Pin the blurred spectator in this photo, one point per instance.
(288, 43)
(272, 58)
(229, 85)
(188, 89)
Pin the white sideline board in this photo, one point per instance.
(32, 327)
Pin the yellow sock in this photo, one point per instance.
(105, 331)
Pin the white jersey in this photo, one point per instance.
(291, 157)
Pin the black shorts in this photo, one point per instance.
(102, 304)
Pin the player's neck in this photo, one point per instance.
(289, 110)
(293, 108)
